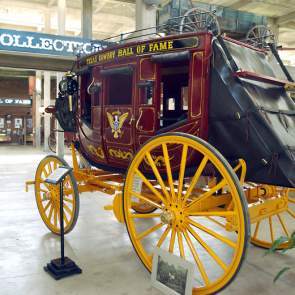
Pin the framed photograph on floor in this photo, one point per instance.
(172, 274)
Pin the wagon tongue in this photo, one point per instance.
(251, 114)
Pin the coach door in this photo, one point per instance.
(145, 112)
(118, 112)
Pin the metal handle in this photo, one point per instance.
(70, 103)
(131, 119)
(139, 127)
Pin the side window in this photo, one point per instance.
(146, 92)
(86, 98)
(119, 89)
(184, 97)
(174, 93)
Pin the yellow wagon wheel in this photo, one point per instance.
(48, 198)
(206, 225)
(266, 231)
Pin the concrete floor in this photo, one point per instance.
(98, 244)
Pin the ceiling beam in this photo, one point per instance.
(286, 18)
(240, 4)
(5, 72)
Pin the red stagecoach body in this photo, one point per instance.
(187, 83)
(142, 94)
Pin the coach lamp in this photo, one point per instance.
(67, 87)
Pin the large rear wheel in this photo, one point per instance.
(203, 221)
(48, 196)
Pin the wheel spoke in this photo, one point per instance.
(256, 230)
(68, 191)
(271, 228)
(143, 198)
(213, 234)
(66, 220)
(55, 216)
(50, 213)
(168, 169)
(58, 215)
(215, 221)
(180, 244)
(217, 187)
(45, 171)
(163, 236)
(149, 231)
(47, 185)
(197, 259)
(47, 206)
(68, 200)
(181, 172)
(291, 213)
(213, 213)
(283, 225)
(157, 174)
(208, 249)
(49, 167)
(149, 185)
(66, 208)
(195, 178)
(172, 241)
(145, 215)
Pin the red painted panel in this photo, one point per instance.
(146, 120)
(197, 85)
(147, 69)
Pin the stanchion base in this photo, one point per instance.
(58, 270)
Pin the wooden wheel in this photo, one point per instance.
(259, 36)
(48, 199)
(198, 20)
(266, 231)
(206, 225)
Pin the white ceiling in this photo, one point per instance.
(112, 17)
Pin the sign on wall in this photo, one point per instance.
(39, 43)
(27, 102)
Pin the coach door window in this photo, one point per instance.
(119, 86)
(174, 93)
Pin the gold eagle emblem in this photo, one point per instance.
(116, 121)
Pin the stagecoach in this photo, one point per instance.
(193, 135)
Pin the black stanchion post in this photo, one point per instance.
(61, 215)
(61, 267)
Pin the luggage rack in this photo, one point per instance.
(198, 22)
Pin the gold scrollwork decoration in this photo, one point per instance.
(119, 154)
(159, 160)
(98, 152)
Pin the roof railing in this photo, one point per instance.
(173, 26)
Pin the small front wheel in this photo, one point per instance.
(48, 196)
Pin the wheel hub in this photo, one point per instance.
(167, 217)
(52, 194)
(173, 215)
